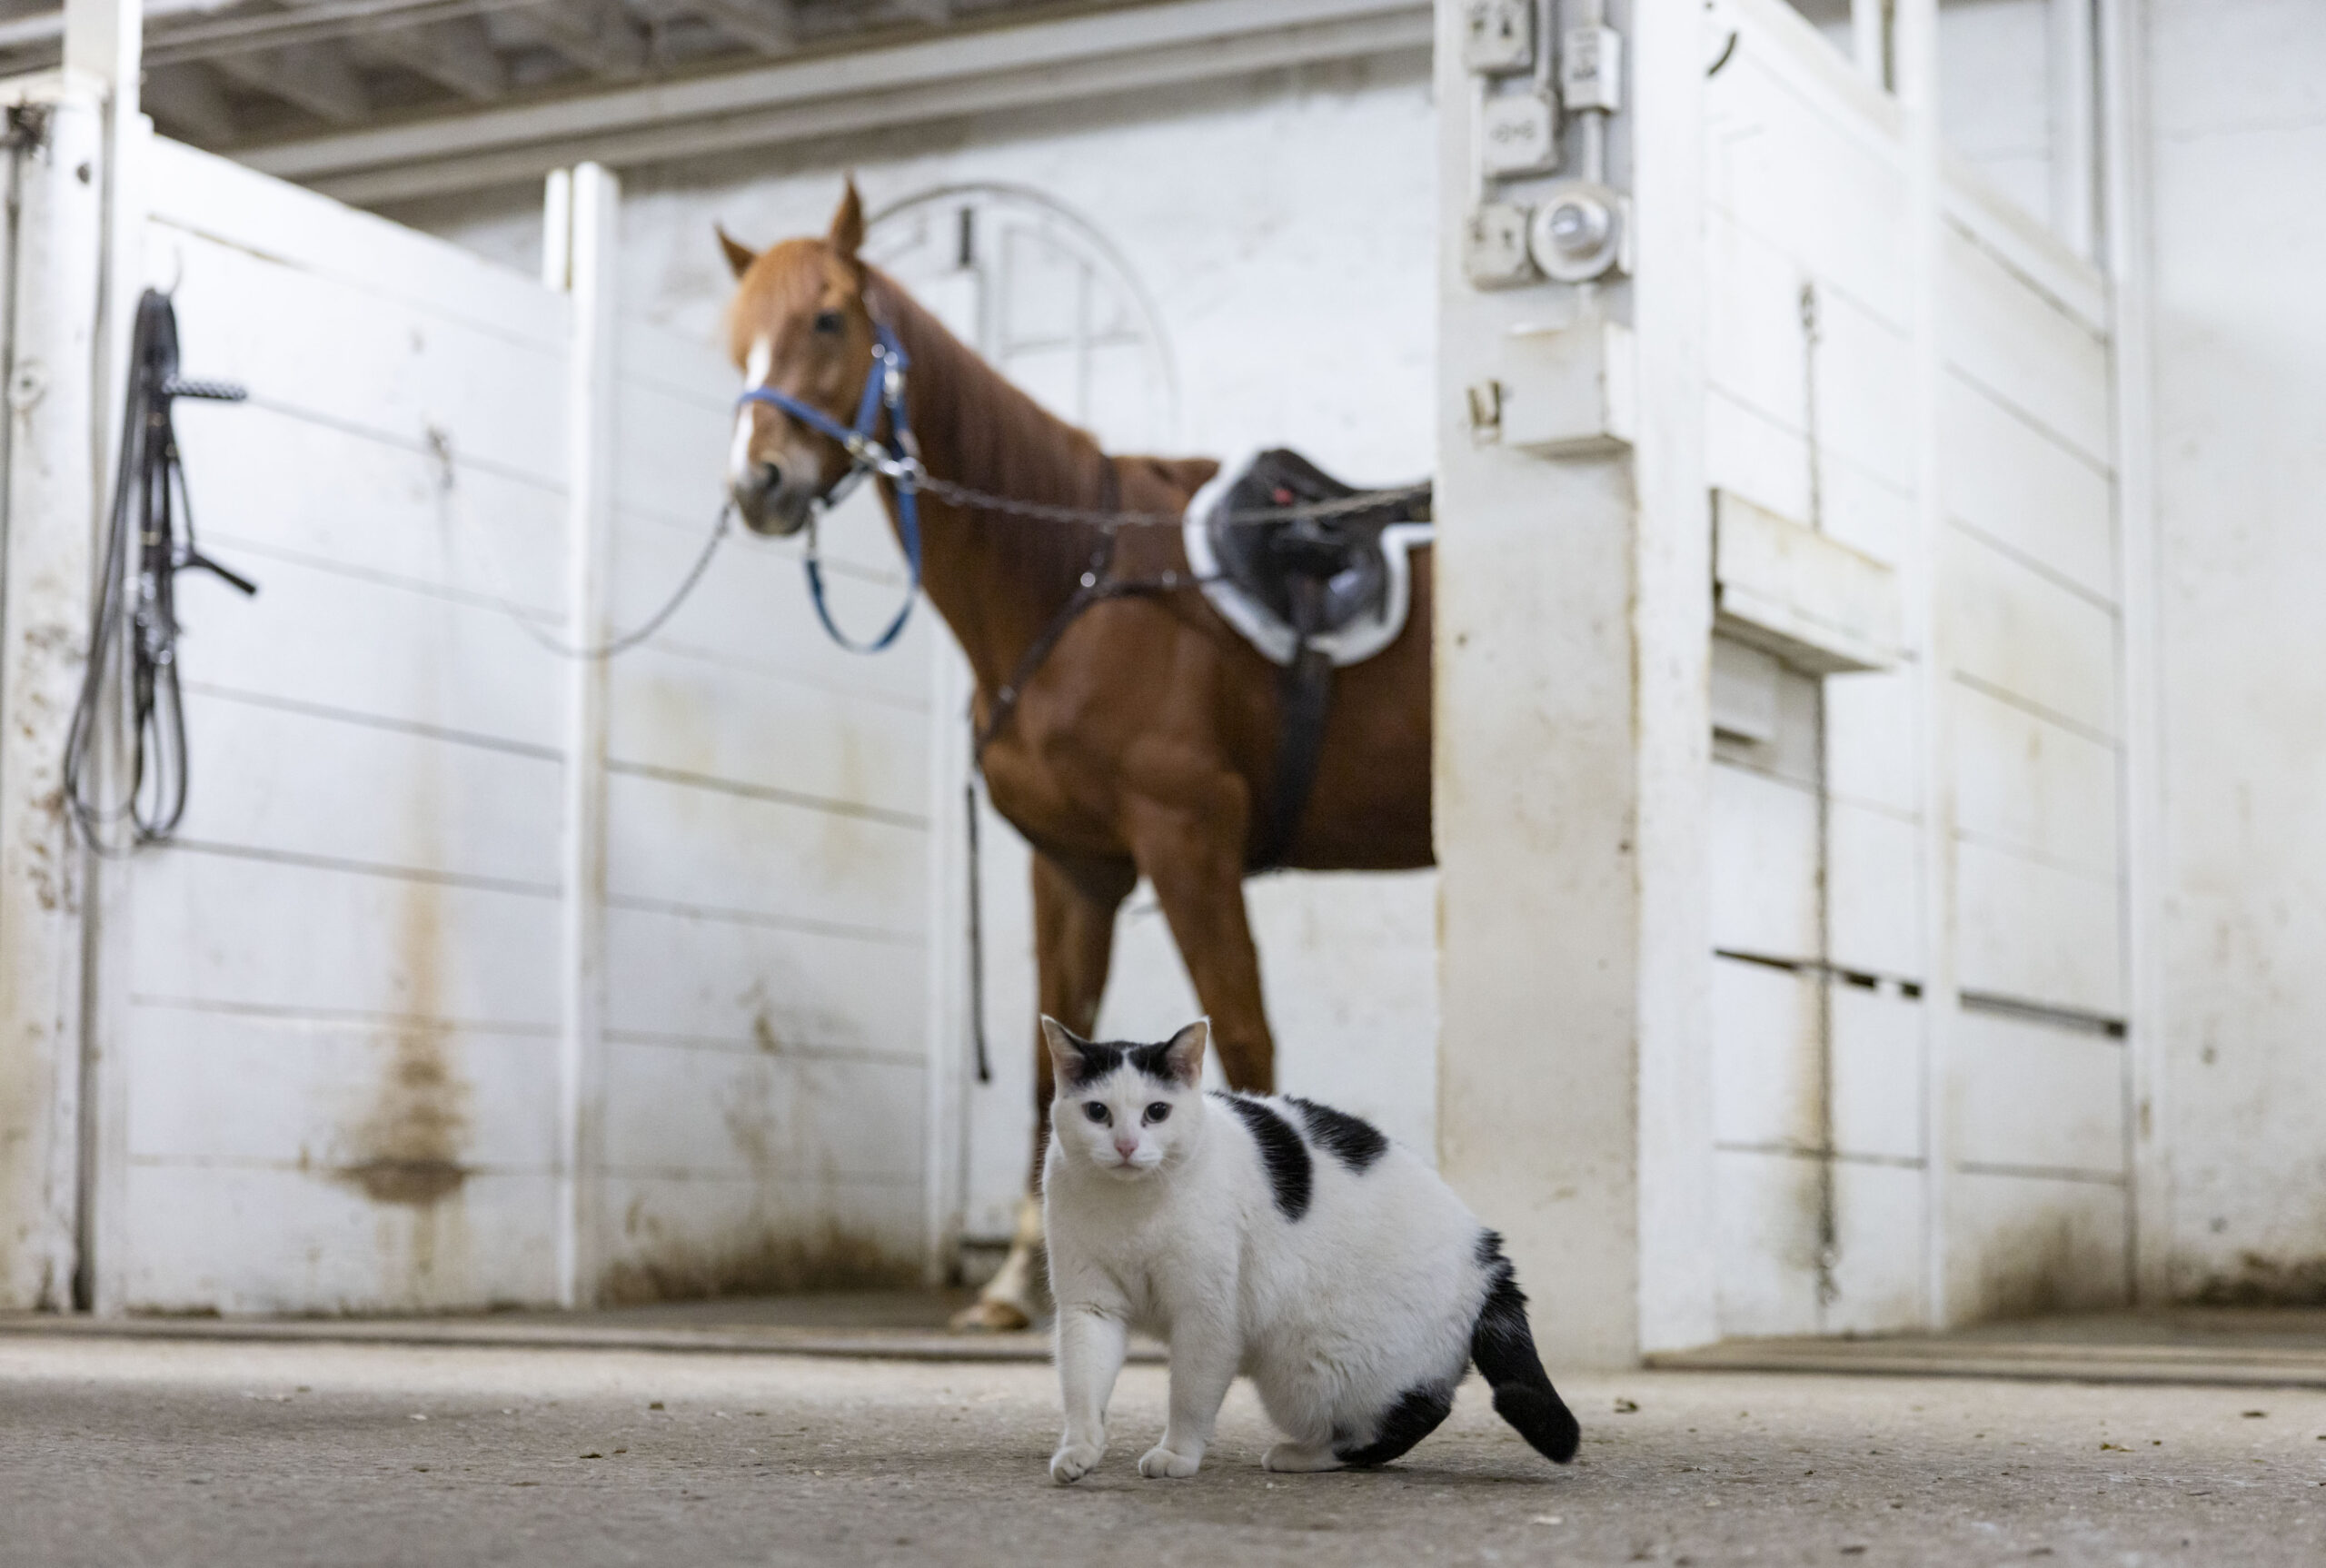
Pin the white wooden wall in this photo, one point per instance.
(333, 1010)
(2038, 1200)
(1829, 1188)
(767, 894)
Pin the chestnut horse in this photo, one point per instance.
(1146, 740)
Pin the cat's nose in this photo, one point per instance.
(1125, 1146)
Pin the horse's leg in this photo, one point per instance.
(1074, 943)
(1193, 856)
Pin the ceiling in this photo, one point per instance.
(232, 74)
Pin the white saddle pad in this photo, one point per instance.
(1265, 629)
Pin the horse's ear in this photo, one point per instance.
(848, 223)
(739, 257)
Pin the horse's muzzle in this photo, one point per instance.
(771, 501)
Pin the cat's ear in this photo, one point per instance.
(1066, 1050)
(1184, 1055)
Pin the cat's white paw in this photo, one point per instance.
(1298, 1457)
(1073, 1460)
(1158, 1464)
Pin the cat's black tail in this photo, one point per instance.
(1503, 1345)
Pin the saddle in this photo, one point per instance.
(1311, 593)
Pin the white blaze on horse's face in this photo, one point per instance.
(773, 467)
(755, 369)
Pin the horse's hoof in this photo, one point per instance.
(982, 1316)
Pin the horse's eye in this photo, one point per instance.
(1158, 1111)
(1094, 1110)
(828, 321)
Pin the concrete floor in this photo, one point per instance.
(155, 1450)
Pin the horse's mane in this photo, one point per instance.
(1003, 442)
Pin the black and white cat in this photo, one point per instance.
(1273, 1238)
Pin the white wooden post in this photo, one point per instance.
(1914, 52)
(1574, 621)
(1870, 40)
(578, 253)
(2123, 86)
(2074, 124)
(76, 241)
(945, 1117)
(53, 489)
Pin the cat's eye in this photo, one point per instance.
(1094, 1111)
(1157, 1112)
(828, 321)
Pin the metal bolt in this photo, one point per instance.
(1577, 226)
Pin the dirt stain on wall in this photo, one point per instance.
(785, 1242)
(409, 1144)
(2260, 1280)
(404, 1145)
(761, 1258)
(2047, 1264)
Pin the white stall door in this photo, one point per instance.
(1823, 839)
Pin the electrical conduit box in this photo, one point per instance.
(1804, 596)
(1568, 392)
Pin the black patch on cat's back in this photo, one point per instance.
(1291, 1177)
(1417, 1412)
(1352, 1140)
(1098, 1060)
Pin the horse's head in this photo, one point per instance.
(798, 324)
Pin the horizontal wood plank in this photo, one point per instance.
(675, 845)
(328, 350)
(2031, 1096)
(264, 478)
(331, 1097)
(204, 194)
(290, 783)
(2020, 634)
(2023, 348)
(279, 938)
(2037, 933)
(2015, 484)
(378, 651)
(309, 1245)
(674, 1111)
(2023, 782)
(755, 988)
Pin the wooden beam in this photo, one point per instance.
(833, 91)
(598, 35)
(771, 26)
(315, 77)
(458, 55)
(187, 100)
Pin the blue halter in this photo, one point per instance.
(884, 389)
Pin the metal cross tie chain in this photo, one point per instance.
(898, 460)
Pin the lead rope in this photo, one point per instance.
(629, 640)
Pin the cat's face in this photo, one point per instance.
(1130, 1110)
